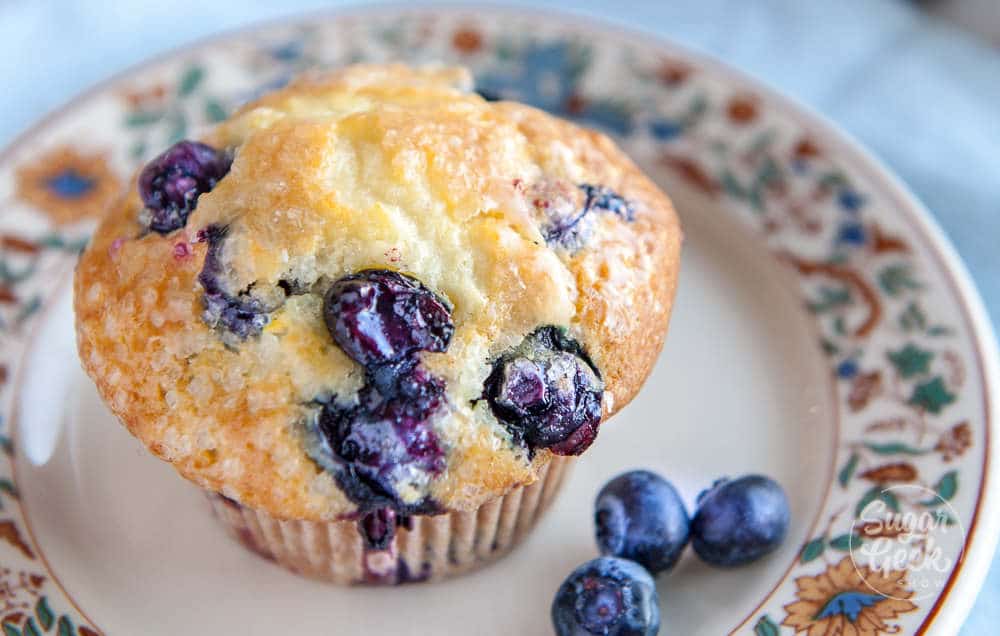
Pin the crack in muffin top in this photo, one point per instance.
(206, 325)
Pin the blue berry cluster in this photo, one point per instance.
(382, 319)
(642, 528)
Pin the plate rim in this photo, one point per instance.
(952, 605)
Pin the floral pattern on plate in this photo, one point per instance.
(902, 354)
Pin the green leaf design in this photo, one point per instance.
(830, 298)
(177, 128)
(731, 185)
(765, 627)
(139, 119)
(8, 487)
(911, 360)
(845, 474)
(833, 180)
(137, 150)
(895, 279)
(845, 542)
(877, 492)
(943, 517)
(6, 445)
(895, 448)
(9, 275)
(10, 630)
(932, 396)
(829, 348)
(30, 309)
(31, 629)
(868, 497)
(939, 330)
(946, 488)
(840, 326)
(190, 80)
(812, 550)
(214, 111)
(44, 613)
(65, 626)
(912, 317)
(890, 500)
(696, 109)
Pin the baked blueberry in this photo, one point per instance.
(604, 199)
(568, 226)
(639, 516)
(739, 521)
(378, 528)
(608, 596)
(547, 393)
(171, 183)
(383, 443)
(379, 316)
(240, 313)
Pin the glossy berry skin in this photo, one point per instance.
(639, 516)
(547, 393)
(385, 439)
(608, 596)
(170, 184)
(739, 521)
(380, 316)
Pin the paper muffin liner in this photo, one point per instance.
(425, 548)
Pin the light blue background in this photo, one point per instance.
(924, 96)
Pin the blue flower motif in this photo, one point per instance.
(848, 604)
(288, 52)
(546, 76)
(852, 234)
(665, 129)
(850, 200)
(70, 184)
(847, 369)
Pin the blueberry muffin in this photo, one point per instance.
(375, 315)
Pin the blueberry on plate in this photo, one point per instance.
(738, 521)
(608, 596)
(639, 516)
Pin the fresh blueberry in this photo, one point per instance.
(640, 516)
(383, 443)
(380, 316)
(239, 313)
(171, 183)
(739, 521)
(547, 393)
(608, 596)
(568, 228)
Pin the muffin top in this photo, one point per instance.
(374, 288)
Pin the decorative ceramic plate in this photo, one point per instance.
(825, 334)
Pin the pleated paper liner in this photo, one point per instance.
(425, 548)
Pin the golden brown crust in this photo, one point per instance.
(370, 167)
